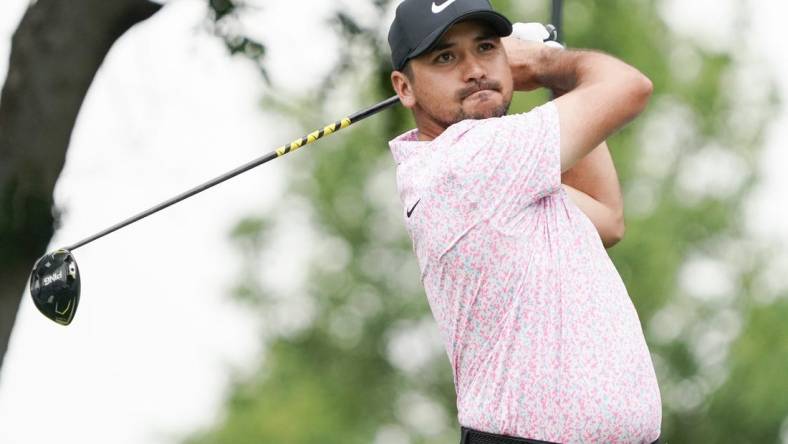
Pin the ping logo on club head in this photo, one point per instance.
(52, 278)
(437, 9)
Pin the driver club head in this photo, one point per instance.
(54, 286)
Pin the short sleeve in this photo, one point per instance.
(513, 161)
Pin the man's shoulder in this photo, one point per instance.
(537, 113)
(515, 124)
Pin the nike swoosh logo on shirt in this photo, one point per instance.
(437, 9)
(414, 207)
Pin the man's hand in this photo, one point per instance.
(524, 57)
(524, 43)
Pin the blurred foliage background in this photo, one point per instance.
(350, 351)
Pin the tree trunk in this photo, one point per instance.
(55, 54)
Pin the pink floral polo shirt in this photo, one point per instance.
(543, 339)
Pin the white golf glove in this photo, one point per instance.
(534, 32)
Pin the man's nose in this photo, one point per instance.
(473, 70)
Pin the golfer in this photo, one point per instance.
(544, 342)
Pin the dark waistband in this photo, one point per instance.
(471, 436)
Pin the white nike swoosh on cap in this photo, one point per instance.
(438, 9)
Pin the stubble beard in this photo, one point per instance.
(461, 95)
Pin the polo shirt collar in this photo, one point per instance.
(405, 145)
(408, 144)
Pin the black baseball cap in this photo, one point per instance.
(419, 24)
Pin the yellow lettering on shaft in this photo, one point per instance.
(313, 137)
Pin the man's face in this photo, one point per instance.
(466, 76)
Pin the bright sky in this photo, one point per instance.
(148, 355)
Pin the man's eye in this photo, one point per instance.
(444, 57)
(486, 46)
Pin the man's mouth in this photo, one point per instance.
(482, 91)
(490, 86)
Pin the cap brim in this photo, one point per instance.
(500, 23)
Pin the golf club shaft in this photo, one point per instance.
(279, 152)
(558, 22)
(558, 18)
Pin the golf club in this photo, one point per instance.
(55, 280)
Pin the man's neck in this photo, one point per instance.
(425, 137)
(428, 128)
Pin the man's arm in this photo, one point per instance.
(599, 94)
(602, 93)
(593, 186)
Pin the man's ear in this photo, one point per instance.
(403, 86)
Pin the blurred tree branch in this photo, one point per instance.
(55, 53)
(224, 23)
